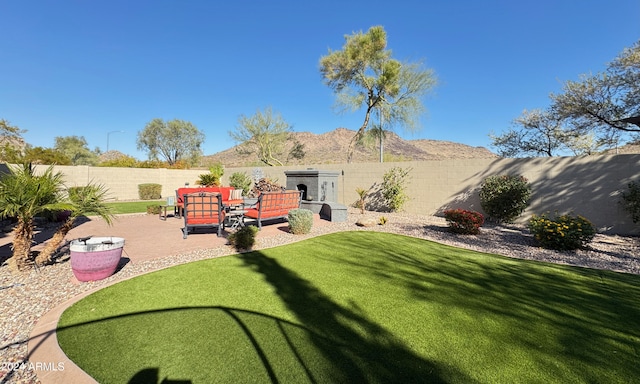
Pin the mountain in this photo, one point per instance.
(331, 147)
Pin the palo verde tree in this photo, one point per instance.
(364, 75)
(174, 141)
(264, 134)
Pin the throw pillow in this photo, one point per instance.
(236, 194)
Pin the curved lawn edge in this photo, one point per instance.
(362, 299)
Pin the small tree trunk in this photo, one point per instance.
(22, 237)
(44, 257)
(354, 141)
(360, 133)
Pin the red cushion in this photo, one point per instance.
(276, 213)
(252, 213)
(202, 220)
(225, 192)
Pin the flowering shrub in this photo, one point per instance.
(504, 197)
(565, 232)
(464, 221)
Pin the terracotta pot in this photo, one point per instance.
(95, 258)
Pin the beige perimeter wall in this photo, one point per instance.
(589, 186)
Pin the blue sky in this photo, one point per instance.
(95, 68)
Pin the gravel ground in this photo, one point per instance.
(25, 298)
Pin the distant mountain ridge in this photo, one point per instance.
(331, 148)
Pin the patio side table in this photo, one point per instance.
(236, 218)
(171, 203)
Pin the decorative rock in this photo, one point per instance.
(366, 222)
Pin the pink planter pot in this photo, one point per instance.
(95, 258)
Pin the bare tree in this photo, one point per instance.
(263, 134)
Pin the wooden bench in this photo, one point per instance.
(203, 209)
(273, 205)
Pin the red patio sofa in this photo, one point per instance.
(225, 193)
(273, 205)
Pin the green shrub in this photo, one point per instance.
(464, 221)
(504, 197)
(244, 238)
(208, 180)
(631, 201)
(564, 232)
(153, 209)
(394, 188)
(149, 191)
(240, 180)
(212, 179)
(300, 221)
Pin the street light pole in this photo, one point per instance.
(109, 134)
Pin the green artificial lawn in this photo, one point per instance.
(357, 307)
(133, 206)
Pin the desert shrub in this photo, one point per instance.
(150, 191)
(240, 180)
(464, 221)
(565, 232)
(153, 209)
(505, 197)
(300, 221)
(382, 220)
(394, 188)
(630, 201)
(362, 196)
(244, 238)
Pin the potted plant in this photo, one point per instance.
(95, 258)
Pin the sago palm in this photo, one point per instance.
(83, 201)
(24, 195)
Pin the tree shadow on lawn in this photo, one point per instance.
(328, 343)
(586, 315)
(249, 345)
(360, 351)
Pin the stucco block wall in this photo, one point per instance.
(589, 186)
